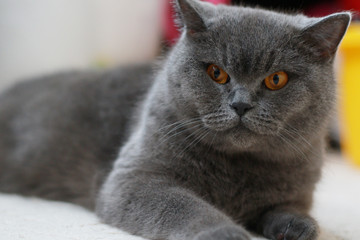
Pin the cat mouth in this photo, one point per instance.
(244, 127)
(265, 127)
(227, 124)
(249, 124)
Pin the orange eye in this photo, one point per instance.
(217, 74)
(276, 80)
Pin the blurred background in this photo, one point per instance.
(43, 36)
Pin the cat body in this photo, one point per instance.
(61, 133)
(199, 158)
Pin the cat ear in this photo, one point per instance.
(191, 14)
(322, 38)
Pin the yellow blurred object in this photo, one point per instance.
(350, 93)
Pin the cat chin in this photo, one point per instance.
(238, 138)
(245, 138)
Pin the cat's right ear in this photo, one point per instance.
(323, 37)
(190, 15)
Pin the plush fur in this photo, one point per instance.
(190, 166)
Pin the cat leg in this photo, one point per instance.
(288, 224)
(161, 211)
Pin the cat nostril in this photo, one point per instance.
(240, 107)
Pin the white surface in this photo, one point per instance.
(43, 36)
(36, 219)
(337, 200)
(337, 208)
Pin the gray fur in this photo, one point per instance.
(189, 166)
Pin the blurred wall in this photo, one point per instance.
(43, 36)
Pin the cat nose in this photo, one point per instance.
(240, 107)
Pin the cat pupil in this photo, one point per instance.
(216, 73)
(276, 79)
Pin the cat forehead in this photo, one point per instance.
(242, 20)
(239, 30)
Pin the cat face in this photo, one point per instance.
(252, 75)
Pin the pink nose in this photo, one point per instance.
(170, 31)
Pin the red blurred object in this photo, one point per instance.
(326, 8)
(351, 4)
(171, 32)
(323, 9)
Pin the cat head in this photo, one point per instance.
(254, 76)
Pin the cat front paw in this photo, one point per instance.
(224, 233)
(292, 227)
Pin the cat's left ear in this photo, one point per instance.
(322, 38)
(191, 15)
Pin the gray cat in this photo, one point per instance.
(227, 136)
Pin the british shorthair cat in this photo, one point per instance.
(225, 138)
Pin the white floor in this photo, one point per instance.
(337, 200)
(337, 208)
